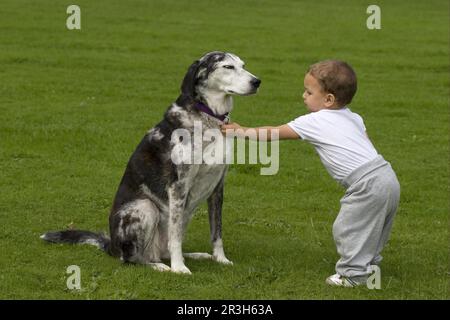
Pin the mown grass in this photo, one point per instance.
(74, 104)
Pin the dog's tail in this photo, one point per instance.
(100, 240)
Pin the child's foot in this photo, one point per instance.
(337, 280)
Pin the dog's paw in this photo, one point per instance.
(181, 269)
(223, 260)
(159, 266)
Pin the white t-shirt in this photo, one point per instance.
(339, 137)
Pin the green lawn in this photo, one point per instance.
(74, 105)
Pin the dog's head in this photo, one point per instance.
(219, 71)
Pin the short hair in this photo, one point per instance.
(335, 77)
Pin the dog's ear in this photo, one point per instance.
(189, 81)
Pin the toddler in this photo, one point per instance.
(339, 136)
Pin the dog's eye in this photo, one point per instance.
(228, 67)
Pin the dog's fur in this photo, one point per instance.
(156, 198)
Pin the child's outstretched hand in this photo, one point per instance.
(232, 125)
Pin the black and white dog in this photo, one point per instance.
(157, 197)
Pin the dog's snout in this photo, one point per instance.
(255, 82)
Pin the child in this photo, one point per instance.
(339, 136)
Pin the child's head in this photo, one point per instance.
(329, 84)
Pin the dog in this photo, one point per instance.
(156, 197)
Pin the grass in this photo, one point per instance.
(74, 104)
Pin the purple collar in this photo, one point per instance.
(204, 108)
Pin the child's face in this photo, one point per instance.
(314, 96)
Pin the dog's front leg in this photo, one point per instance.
(177, 200)
(215, 202)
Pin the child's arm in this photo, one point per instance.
(284, 132)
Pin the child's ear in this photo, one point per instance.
(330, 99)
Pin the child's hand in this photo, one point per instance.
(232, 125)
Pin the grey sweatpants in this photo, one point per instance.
(363, 225)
